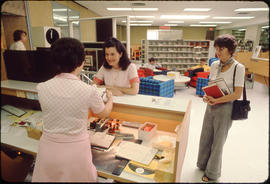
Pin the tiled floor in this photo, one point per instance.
(245, 154)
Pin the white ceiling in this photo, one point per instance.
(218, 8)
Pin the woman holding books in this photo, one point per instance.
(117, 73)
(217, 118)
(64, 153)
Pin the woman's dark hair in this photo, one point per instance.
(151, 59)
(124, 60)
(17, 35)
(227, 41)
(67, 54)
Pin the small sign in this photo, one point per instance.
(165, 27)
(256, 51)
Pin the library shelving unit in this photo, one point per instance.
(264, 39)
(177, 55)
(143, 47)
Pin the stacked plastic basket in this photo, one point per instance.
(149, 86)
(201, 82)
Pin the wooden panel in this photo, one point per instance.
(244, 58)
(260, 68)
(262, 79)
(156, 113)
(181, 143)
(18, 22)
(3, 47)
(8, 92)
(14, 7)
(162, 124)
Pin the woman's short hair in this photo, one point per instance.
(124, 60)
(17, 35)
(67, 54)
(227, 41)
(151, 59)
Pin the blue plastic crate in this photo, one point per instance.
(149, 86)
(201, 82)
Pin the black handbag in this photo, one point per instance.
(240, 107)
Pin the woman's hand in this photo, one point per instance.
(115, 91)
(109, 94)
(210, 100)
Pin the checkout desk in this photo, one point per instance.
(172, 117)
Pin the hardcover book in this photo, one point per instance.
(213, 90)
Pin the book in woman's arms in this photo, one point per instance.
(216, 88)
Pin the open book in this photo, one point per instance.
(217, 88)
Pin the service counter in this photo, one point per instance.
(171, 115)
(258, 66)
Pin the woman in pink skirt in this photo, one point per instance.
(64, 153)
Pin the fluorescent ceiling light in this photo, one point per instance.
(265, 27)
(215, 22)
(139, 21)
(140, 24)
(119, 9)
(233, 17)
(145, 9)
(242, 29)
(197, 9)
(142, 16)
(252, 9)
(60, 10)
(170, 24)
(60, 18)
(202, 25)
(132, 9)
(184, 16)
(176, 21)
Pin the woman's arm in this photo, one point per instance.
(119, 91)
(108, 106)
(227, 98)
(133, 90)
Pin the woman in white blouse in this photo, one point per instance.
(217, 118)
(20, 38)
(117, 72)
(64, 153)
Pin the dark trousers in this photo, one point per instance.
(193, 72)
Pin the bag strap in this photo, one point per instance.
(244, 89)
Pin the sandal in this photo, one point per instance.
(205, 178)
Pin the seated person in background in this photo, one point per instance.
(117, 72)
(20, 38)
(202, 67)
(152, 64)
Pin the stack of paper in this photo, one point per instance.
(136, 152)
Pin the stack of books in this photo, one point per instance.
(216, 88)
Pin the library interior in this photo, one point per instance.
(135, 91)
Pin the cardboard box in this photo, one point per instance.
(34, 133)
(146, 135)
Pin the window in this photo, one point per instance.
(61, 15)
(152, 34)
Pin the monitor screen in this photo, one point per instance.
(30, 66)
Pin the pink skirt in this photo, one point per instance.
(64, 158)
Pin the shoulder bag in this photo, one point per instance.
(240, 107)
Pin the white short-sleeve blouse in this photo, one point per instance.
(117, 77)
(65, 103)
(228, 74)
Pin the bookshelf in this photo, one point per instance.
(176, 54)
